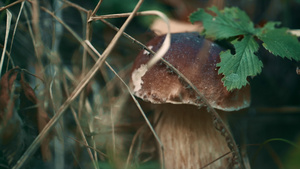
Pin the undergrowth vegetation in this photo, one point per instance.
(67, 105)
(64, 95)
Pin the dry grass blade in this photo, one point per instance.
(38, 45)
(166, 44)
(123, 15)
(32, 148)
(134, 99)
(10, 5)
(79, 126)
(96, 8)
(33, 38)
(13, 35)
(86, 145)
(8, 23)
(139, 131)
(207, 165)
(83, 71)
(70, 30)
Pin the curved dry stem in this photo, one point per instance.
(166, 44)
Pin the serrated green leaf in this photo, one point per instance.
(281, 43)
(236, 68)
(271, 25)
(231, 22)
(199, 15)
(267, 27)
(228, 23)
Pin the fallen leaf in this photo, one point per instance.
(6, 83)
(11, 133)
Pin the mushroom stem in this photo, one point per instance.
(189, 137)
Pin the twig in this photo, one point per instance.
(10, 5)
(96, 8)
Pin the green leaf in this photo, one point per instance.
(199, 15)
(281, 43)
(236, 68)
(232, 22)
(267, 27)
(228, 23)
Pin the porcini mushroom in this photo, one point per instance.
(189, 137)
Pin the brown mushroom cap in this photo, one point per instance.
(196, 58)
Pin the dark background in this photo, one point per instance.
(274, 111)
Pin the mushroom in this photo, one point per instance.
(187, 133)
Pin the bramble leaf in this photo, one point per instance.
(268, 26)
(236, 68)
(280, 43)
(233, 24)
(228, 22)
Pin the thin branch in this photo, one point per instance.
(10, 5)
(96, 8)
